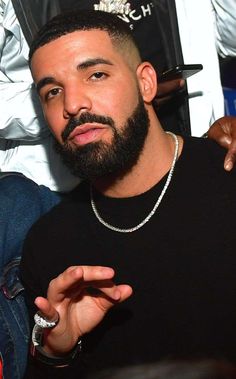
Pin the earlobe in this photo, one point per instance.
(147, 81)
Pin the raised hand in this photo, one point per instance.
(81, 296)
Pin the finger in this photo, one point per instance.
(230, 158)
(108, 288)
(51, 335)
(223, 131)
(46, 308)
(97, 273)
(217, 133)
(125, 291)
(75, 276)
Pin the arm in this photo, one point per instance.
(21, 116)
(167, 90)
(225, 21)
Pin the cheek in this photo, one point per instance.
(121, 96)
(125, 105)
(55, 121)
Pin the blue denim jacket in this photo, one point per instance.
(22, 202)
(14, 332)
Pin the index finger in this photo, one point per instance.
(76, 274)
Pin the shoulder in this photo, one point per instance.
(202, 163)
(17, 185)
(22, 202)
(203, 151)
(65, 212)
(18, 193)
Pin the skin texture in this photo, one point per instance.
(223, 131)
(70, 84)
(167, 90)
(78, 89)
(79, 311)
(95, 81)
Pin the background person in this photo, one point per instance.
(22, 202)
(26, 145)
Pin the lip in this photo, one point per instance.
(86, 133)
(84, 128)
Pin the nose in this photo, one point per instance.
(76, 100)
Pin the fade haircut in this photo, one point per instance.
(85, 20)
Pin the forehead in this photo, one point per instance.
(74, 47)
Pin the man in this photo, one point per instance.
(25, 143)
(155, 212)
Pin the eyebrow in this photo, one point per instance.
(43, 82)
(82, 66)
(93, 62)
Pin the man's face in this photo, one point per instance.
(91, 102)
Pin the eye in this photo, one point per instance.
(98, 75)
(52, 93)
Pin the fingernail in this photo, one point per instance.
(229, 165)
(107, 270)
(227, 140)
(116, 295)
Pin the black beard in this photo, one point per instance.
(98, 159)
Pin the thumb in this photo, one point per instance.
(47, 310)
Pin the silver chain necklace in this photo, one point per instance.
(168, 180)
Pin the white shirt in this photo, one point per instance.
(206, 28)
(26, 144)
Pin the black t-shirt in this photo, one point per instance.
(181, 264)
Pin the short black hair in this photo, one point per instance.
(72, 21)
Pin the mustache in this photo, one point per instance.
(83, 119)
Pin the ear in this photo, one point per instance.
(147, 79)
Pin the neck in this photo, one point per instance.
(154, 162)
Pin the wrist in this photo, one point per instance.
(49, 356)
(55, 345)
